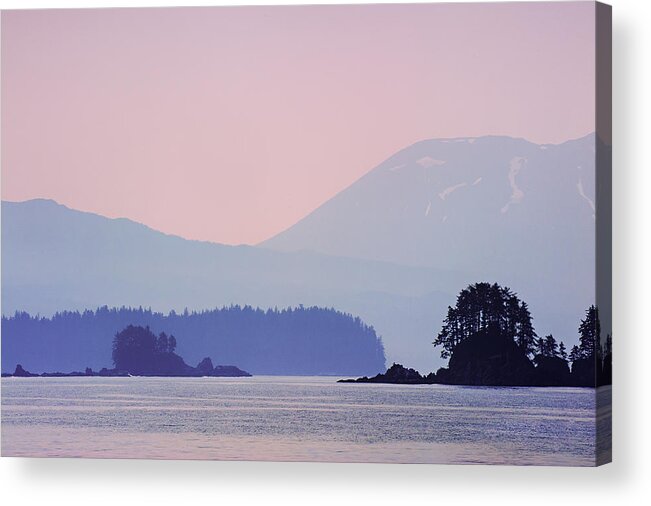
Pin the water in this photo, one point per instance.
(296, 419)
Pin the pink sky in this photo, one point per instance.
(231, 124)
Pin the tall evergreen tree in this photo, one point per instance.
(135, 349)
(540, 347)
(551, 345)
(162, 343)
(562, 352)
(589, 333)
(547, 346)
(525, 334)
(608, 348)
(484, 306)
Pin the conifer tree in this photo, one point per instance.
(481, 307)
(562, 352)
(589, 333)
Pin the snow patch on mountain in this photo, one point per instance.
(428, 162)
(590, 202)
(444, 194)
(515, 165)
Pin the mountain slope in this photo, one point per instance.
(55, 258)
(437, 201)
(509, 210)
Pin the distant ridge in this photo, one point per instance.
(55, 258)
(44, 203)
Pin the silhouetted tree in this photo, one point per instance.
(162, 343)
(481, 307)
(589, 333)
(575, 353)
(562, 352)
(587, 360)
(547, 346)
(525, 333)
(607, 368)
(608, 349)
(135, 350)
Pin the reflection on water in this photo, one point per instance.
(297, 418)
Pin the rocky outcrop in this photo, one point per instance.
(205, 367)
(22, 373)
(489, 359)
(397, 374)
(584, 372)
(552, 372)
(171, 366)
(228, 371)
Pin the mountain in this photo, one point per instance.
(470, 204)
(55, 258)
(394, 248)
(512, 211)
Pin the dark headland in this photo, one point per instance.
(490, 341)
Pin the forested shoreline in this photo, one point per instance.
(489, 339)
(291, 341)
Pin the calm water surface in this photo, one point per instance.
(297, 419)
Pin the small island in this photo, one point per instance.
(396, 374)
(137, 351)
(490, 340)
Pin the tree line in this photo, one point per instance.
(294, 340)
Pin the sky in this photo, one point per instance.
(231, 124)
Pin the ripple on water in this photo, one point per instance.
(298, 419)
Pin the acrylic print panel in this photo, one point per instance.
(372, 233)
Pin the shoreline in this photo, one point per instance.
(277, 377)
